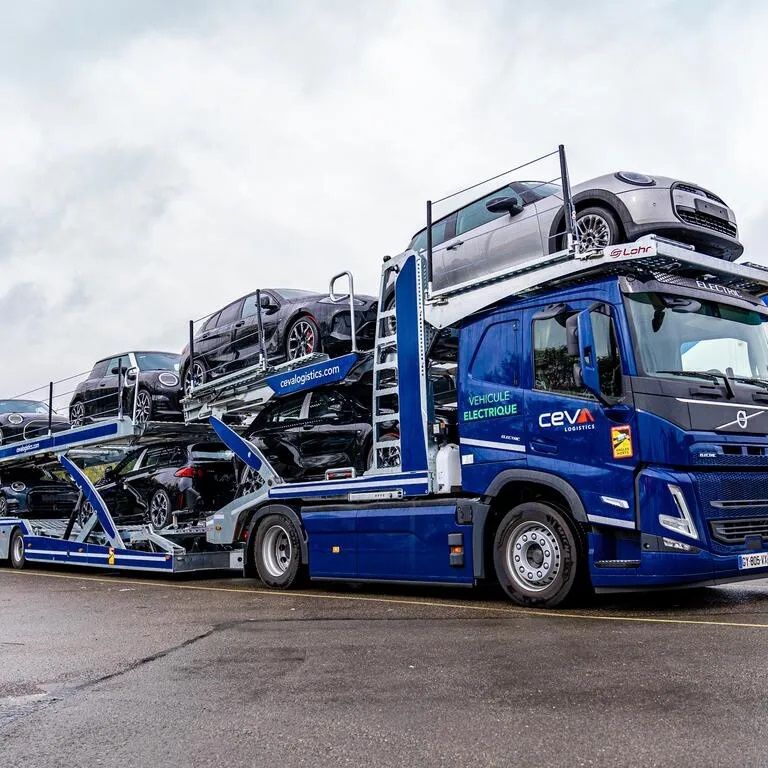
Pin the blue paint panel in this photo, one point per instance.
(61, 440)
(243, 449)
(413, 444)
(415, 483)
(330, 530)
(411, 544)
(312, 376)
(43, 549)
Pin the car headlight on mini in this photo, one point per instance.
(168, 379)
(15, 418)
(18, 487)
(638, 179)
(682, 522)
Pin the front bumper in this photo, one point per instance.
(680, 214)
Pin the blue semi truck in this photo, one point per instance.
(587, 420)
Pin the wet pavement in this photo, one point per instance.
(105, 669)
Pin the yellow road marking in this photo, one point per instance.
(540, 614)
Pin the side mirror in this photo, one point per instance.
(267, 303)
(510, 205)
(131, 374)
(590, 376)
(110, 475)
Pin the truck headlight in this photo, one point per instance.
(682, 522)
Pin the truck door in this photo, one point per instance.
(571, 434)
(490, 405)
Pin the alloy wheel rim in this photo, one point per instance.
(276, 551)
(533, 556)
(250, 481)
(301, 340)
(84, 515)
(594, 231)
(194, 377)
(159, 509)
(143, 407)
(77, 414)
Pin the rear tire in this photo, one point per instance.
(538, 555)
(159, 509)
(77, 413)
(18, 556)
(277, 552)
(194, 376)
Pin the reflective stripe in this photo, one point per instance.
(610, 521)
(494, 445)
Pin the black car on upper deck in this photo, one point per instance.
(147, 383)
(296, 323)
(27, 419)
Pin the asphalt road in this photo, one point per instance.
(107, 669)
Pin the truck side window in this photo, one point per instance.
(607, 352)
(496, 357)
(553, 366)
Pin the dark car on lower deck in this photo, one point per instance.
(36, 492)
(158, 482)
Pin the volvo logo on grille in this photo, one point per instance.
(741, 419)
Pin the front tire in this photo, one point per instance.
(598, 228)
(277, 552)
(537, 555)
(144, 408)
(18, 556)
(302, 338)
(250, 482)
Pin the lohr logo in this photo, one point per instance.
(572, 421)
(633, 251)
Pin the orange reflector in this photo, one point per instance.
(457, 550)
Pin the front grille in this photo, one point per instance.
(730, 455)
(729, 501)
(735, 532)
(51, 503)
(707, 221)
(697, 191)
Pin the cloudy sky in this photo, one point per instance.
(158, 159)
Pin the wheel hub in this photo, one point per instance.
(594, 231)
(277, 551)
(533, 556)
(301, 340)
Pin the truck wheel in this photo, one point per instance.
(277, 552)
(537, 555)
(18, 558)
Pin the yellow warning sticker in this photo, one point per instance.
(621, 442)
(111, 556)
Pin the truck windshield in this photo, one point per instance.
(675, 337)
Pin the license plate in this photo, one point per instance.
(759, 560)
(704, 206)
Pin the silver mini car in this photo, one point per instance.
(525, 219)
